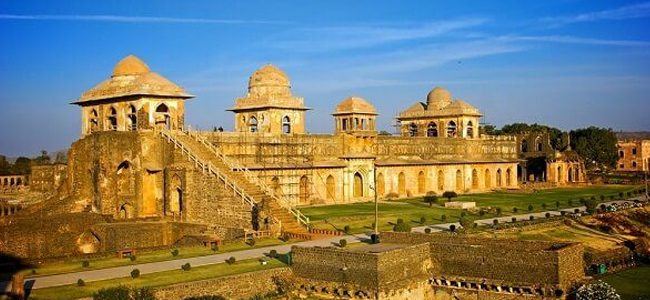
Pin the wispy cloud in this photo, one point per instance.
(349, 37)
(574, 40)
(634, 11)
(132, 19)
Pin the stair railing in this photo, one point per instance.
(234, 164)
(206, 167)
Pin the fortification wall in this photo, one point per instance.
(242, 286)
(139, 235)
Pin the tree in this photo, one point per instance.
(384, 132)
(61, 157)
(5, 166)
(489, 129)
(22, 166)
(597, 290)
(557, 138)
(597, 146)
(44, 158)
(466, 222)
(431, 198)
(449, 195)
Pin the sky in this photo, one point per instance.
(565, 63)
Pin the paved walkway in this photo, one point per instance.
(124, 271)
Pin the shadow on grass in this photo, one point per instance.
(11, 265)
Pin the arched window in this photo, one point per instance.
(559, 174)
(132, 119)
(176, 202)
(422, 183)
(470, 129)
(576, 176)
(508, 177)
(112, 119)
(570, 175)
(432, 130)
(286, 124)
(252, 124)
(524, 146)
(459, 181)
(363, 124)
(381, 185)
(94, 121)
(161, 117)
(451, 129)
(634, 164)
(538, 143)
(401, 184)
(413, 129)
(499, 182)
(474, 179)
(344, 124)
(358, 185)
(125, 178)
(356, 124)
(441, 181)
(304, 192)
(621, 153)
(126, 211)
(331, 187)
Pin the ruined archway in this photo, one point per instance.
(126, 211)
(88, 243)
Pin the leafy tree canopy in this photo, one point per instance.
(597, 146)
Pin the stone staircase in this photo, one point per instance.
(212, 161)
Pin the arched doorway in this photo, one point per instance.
(474, 179)
(559, 174)
(126, 212)
(381, 185)
(401, 184)
(451, 129)
(331, 187)
(432, 130)
(499, 182)
(304, 193)
(132, 119)
(508, 177)
(488, 179)
(422, 183)
(112, 119)
(470, 129)
(441, 181)
(162, 116)
(459, 181)
(176, 201)
(570, 175)
(94, 120)
(125, 179)
(358, 185)
(524, 146)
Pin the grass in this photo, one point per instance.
(360, 216)
(563, 233)
(155, 279)
(146, 257)
(631, 284)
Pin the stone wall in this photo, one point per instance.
(142, 235)
(241, 286)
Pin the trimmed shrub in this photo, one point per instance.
(81, 282)
(466, 223)
(452, 227)
(113, 293)
(427, 230)
(343, 243)
(463, 214)
(346, 228)
(85, 264)
(175, 252)
(251, 242)
(612, 197)
(515, 210)
(498, 210)
(620, 195)
(474, 225)
(449, 195)
(187, 266)
(557, 204)
(33, 271)
(543, 205)
(135, 273)
(400, 221)
(481, 212)
(273, 253)
(144, 293)
(531, 218)
(514, 219)
(591, 206)
(132, 258)
(602, 197)
(495, 221)
(576, 210)
(530, 207)
(443, 217)
(431, 198)
(629, 194)
(563, 213)
(402, 227)
(423, 220)
(570, 202)
(548, 215)
(593, 198)
(231, 261)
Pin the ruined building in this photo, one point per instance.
(135, 160)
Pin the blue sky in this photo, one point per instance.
(566, 63)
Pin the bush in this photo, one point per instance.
(402, 227)
(135, 273)
(530, 207)
(273, 253)
(543, 205)
(343, 243)
(431, 198)
(474, 225)
(452, 227)
(443, 218)
(597, 290)
(113, 293)
(548, 215)
(175, 252)
(481, 212)
(570, 202)
(593, 198)
(33, 271)
(449, 195)
(144, 293)
(463, 214)
(132, 258)
(285, 238)
(591, 206)
(563, 213)
(423, 220)
(81, 282)
(215, 248)
(400, 221)
(514, 219)
(231, 261)
(466, 223)
(602, 197)
(85, 264)
(427, 230)
(611, 197)
(531, 218)
(620, 195)
(629, 194)
(495, 221)
(187, 266)
(498, 210)
(557, 204)
(346, 228)
(576, 210)
(251, 242)
(515, 210)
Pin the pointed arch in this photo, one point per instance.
(286, 125)
(570, 175)
(499, 182)
(252, 124)
(381, 185)
(161, 117)
(176, 201)
(125, 178)
(401, 184)
(432, 130)
(524, 146)
(488, 179)
(112, 118)
(126, 211)
(538, 144)
(459, 181)
(422, 183)
(451, 129)
(358, 185)
(474, 179)
(441, 181)
(94, 120)
(304, 189)
(331, 187)
(413, 129)
(508, 177)
(470, 129)
(559, 174)
(132, 118)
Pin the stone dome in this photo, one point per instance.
(130, 65)
(438, 98)
(268, 75)
(355, 105)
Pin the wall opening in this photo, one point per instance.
(401, 184)
(358, 185)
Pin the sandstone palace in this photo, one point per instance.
(136, 160)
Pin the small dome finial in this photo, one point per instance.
(130, 65)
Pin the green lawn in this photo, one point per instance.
(360, 216)
(147, 257)
(631, 284)
(69, 292)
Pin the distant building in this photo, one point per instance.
(633, 155)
